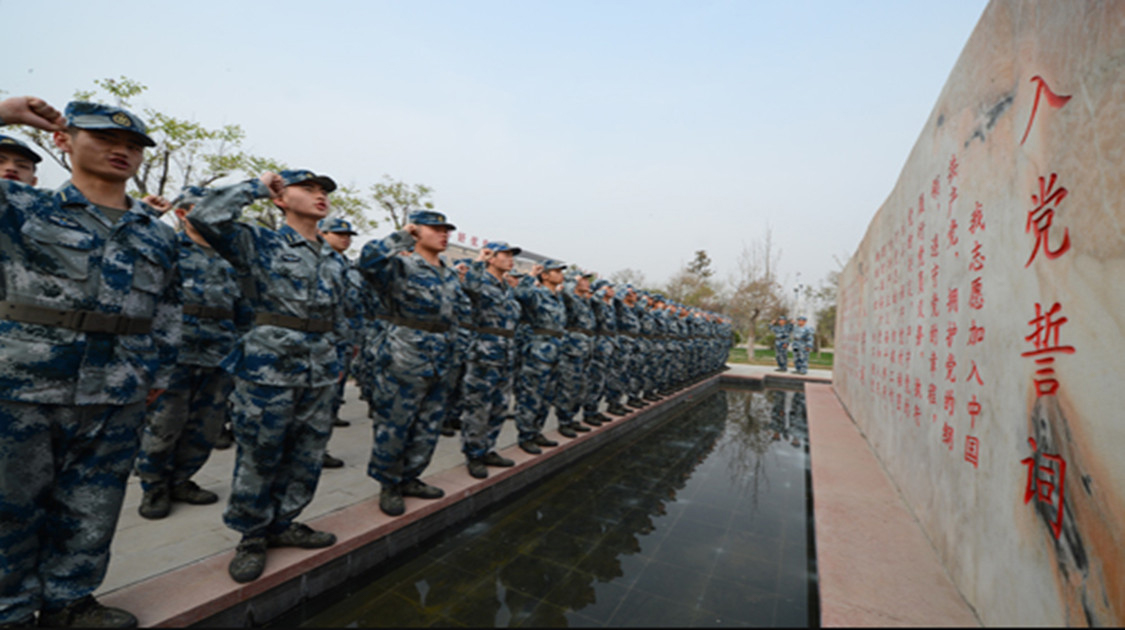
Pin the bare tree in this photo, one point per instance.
(756, 296)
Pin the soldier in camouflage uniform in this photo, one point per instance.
(414, 353)
(451, 425)
(18, 162)
(487, 386)
(537, 380)
(605, 345)
(803, 338)
(781, 329)
(89, 330)
(575, 354)
(182, 424)
(338, 234)
(287, 366)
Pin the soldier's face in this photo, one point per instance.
(306, 199)
(554, 276)
(583, 285)
(108, 154)
(504, 261)
(609, 292)
(433, 237)
(17, 168)
(339, 241)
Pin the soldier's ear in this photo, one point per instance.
(63, 140)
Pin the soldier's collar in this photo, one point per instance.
(69, 195)
(294, 238)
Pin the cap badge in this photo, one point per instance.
(122, 119)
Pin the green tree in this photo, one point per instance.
(692, 284)
(397, 199)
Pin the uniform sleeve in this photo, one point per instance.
(216, 219)
(377, 262)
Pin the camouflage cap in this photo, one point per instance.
(502, 246)
(335, 225)
(296, 176)
(429, 217)
(551, 265)
(800, 317)
(9, 143)
(599, 283)
(87, 115)
(189, 196)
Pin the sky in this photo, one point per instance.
(609, 134)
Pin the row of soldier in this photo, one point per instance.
(111, 322)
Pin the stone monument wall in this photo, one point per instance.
(981, 327)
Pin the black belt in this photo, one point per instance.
(547, 331)
(208, 312)
(82, 321)
(489, 330)
(600, 333)
(581, 331)
(295, 323)
(417, 324)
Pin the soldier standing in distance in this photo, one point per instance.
(18, 162)
(537, 380)
(574, 357)
(182, 424)
(414, 352)
(802, 345)
(89, 329)
(287, 365)
(338, 234)
(605, 344)
(487, 385)
(781, 329)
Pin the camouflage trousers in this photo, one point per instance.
(349, 362)
(617, 373)
(281, 433)
(486, 391)
(800, 359)
(455, 407)
(780, 348)
(409, 411)
(63, 470)
(182, 425)
(536, 384)
(571, 391)
(596, 379)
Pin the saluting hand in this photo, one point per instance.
(158, 203)
(412, 230)
(273, 182)
(485, 254)
(32, 111)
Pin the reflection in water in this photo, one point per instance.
(649, 533)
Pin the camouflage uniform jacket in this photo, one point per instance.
(412, 289)
(59, 251)
(627, 319)
(209, 281)
(781, 333)
(803, 337)
(288, 275)
(579, 316)
(494, 306)
(605, 320)
(542, 309)
(355, 303)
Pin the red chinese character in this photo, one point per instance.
(972, 450)
(952, 168)
(1046, 482)
(1041, 217)
(976, 295)
(974, 374)
(460, 237)
(933, 362)
(950, 334)
(977, 263)
(921, 254)
(953, 230)
(917, 388)
(931, 394)
(1046, 335)
(933, 334)
(976, 333)
(951, 303)
(974, 410)
(921, 306)
(917, 416)
(950, 364)
(947, 435)
(934, 244)
(977, 220)
(952, 198)
(918, 338)
(935, 271)
(950, 402)
(934, 302)
(1054, 100)
(935, 188)
(474, 241)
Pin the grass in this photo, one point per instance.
(763, 356)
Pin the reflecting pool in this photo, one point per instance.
(703, 520)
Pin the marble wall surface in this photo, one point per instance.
(981, 326)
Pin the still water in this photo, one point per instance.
(703, 520)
